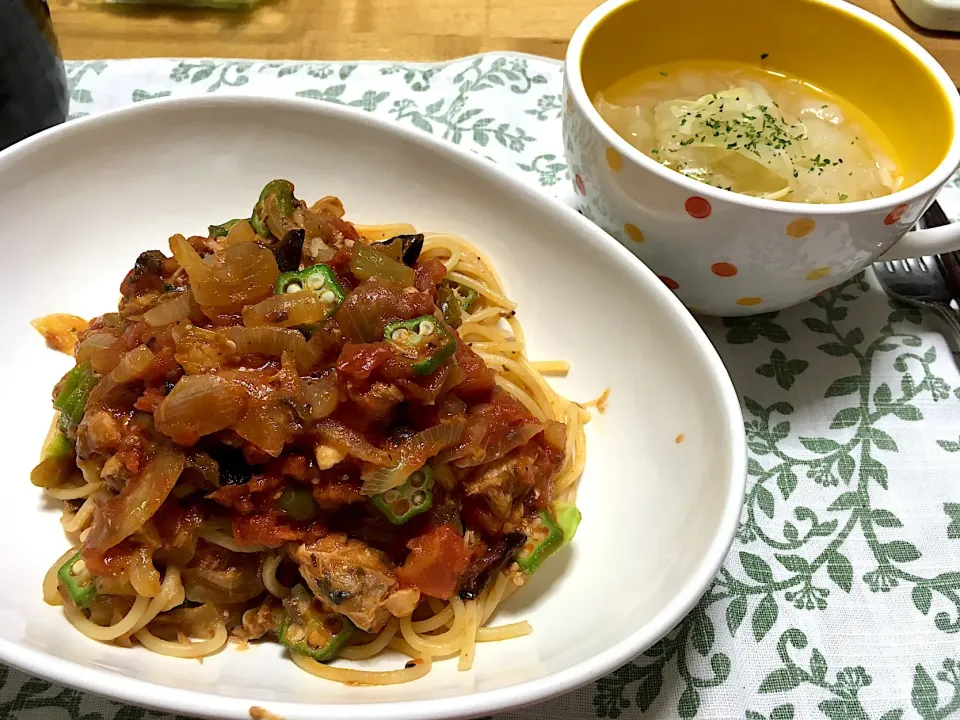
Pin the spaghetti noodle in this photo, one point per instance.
(303, 429)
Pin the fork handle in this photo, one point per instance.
(951, 267)
(950, 317)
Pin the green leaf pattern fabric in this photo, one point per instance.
(840, 598)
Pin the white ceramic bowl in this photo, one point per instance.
(729, 254)
(81, 201)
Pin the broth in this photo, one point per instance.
(752, 130)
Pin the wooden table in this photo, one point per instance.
(355, 29)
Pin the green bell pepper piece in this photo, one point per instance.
(402, 248)
(59, 447)
(544, 537)
(453, 300)
(568, 519)
(72, 398)
(282, 190)
(413, 497)
(465, 295)
(449, 305)
(422, 339)
(296, 638)
(297, 503)
(366, 263)
(320, 280)
(222, 230)
(78, 583)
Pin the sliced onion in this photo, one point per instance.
(229, 579)
(102, 349)
(429, 442)
(267, 425)
(219, 316)
(382, 479)
(316, 250)
(199, 350)
(93, 343)
(272, 342)
(335, 433)
(197, 270)
(170, 311)
(199, 405)
(143, 574)
(329, 205)
(518, 435)
(360, 322)
(193, 620)
(240, 233)
(202, 590)
(414, 454)
(121, 516)
(115, 585)
(287, 310)
(238, 275)
(555, 434)
(320, 343)
(315, 348)
(317, 229)
(321, 394)
(245, 273)
(60, 330)
(264, 340)
(133, 365)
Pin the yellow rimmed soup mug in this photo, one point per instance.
(729, 254)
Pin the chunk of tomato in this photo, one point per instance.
(436, 562)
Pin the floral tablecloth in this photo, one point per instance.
(841, 595)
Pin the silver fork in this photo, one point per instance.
(920, 282)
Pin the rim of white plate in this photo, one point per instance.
(149, 694)
(928, 184)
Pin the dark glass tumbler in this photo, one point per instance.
(33, 85)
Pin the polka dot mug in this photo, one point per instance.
(730, 254)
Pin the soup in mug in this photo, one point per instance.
(751, 130)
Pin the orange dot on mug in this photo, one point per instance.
(669, 282)
(614, 160)
(633, 232)
(818, 273)
(724, 269)
(801, 227)
(697, 207)
(748, 301)
(895, 214)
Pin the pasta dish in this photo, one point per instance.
(301, 430)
